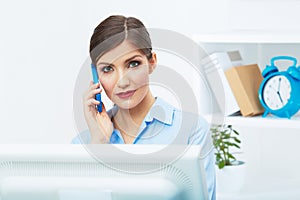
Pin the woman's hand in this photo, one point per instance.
(99, 124)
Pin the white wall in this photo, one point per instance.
(44, 43)
(271, 15)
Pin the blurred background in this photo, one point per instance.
(43, 45)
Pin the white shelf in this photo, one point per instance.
(249, 37)
(257, 121)
(285, 41)
(270, 121)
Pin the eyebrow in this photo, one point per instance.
(127, 60)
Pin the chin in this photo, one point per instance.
(127, 104)
(130, 102)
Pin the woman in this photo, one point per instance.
(121, 50)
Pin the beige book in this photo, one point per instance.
(244, 82)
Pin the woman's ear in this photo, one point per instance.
(152, 63)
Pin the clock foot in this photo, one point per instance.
(265, 114)
(288, 115)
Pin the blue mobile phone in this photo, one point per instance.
(96, 80)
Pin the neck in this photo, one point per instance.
(129, 120)
(139, 112)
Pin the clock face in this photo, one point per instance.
(277, 92)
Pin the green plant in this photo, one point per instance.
(224, 139)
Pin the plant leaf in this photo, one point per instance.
(221, 164)
(229, 143)
(237, 140)
(236, 132)
(237, 146)
(231, 156)
(223, 141)
(218, 156)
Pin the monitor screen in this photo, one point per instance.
(107, 172)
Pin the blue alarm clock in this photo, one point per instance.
(279, 92)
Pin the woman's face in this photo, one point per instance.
(124, 74)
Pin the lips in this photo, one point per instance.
(125, 95)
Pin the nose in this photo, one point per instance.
(123, 80)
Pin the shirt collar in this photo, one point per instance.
(160, 110)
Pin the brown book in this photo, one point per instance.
(244, 82)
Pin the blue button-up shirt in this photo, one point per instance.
(165, 124)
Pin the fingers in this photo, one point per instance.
(92, 102)
(94, 86)
(91, 93)
(89, 97)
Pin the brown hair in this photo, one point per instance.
(114, 30)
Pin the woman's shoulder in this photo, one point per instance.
(177, 115)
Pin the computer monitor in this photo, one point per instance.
(78, 172)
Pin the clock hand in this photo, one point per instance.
(280, 97)
(279, 85)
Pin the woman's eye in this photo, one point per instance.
(134, 63)
(107, 69)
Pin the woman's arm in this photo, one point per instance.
(201, 136)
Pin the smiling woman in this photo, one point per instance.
(121, 50)
(124, 74)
